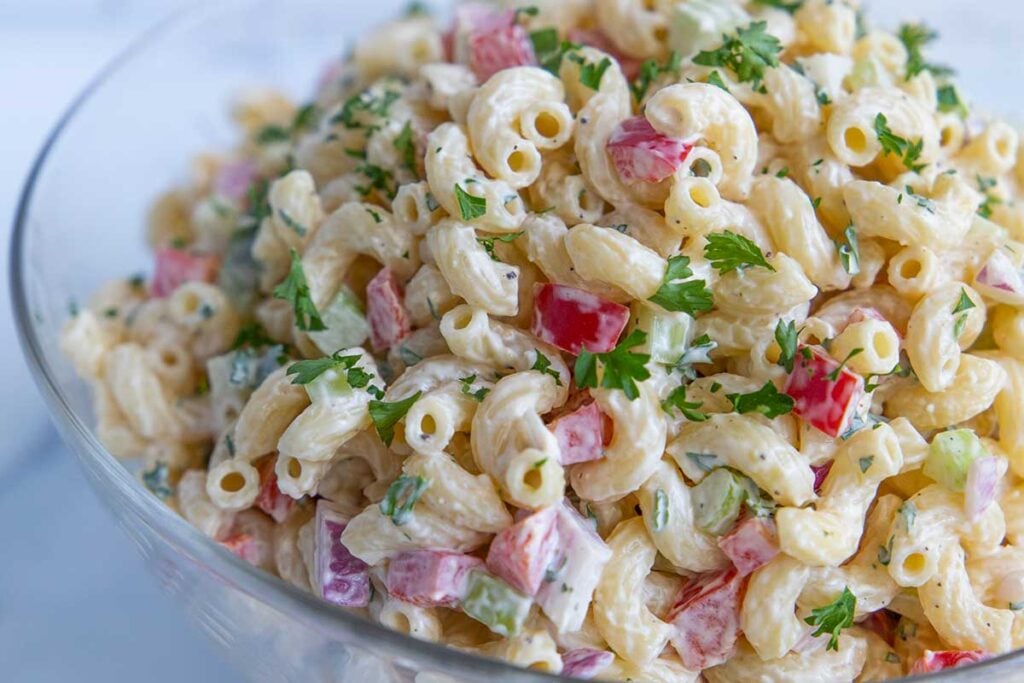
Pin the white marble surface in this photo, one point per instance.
(75, 603)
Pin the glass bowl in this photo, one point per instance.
(80, 223)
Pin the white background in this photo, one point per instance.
(75, 604)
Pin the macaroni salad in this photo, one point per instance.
(622, 339)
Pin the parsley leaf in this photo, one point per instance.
(747, 54)
(949, 100)
(715, 79)
(591, 74)
(677, 399)
(488, 243)
(467, 388)
(914, 37)
(550, 50)
(767, 401)
(543, 364)
(786, 336)
(295, 290)
(380, 179)
(386, 415)
(402, 497)
(699, 351)
(358, 108)
(691, 297)
(650, 70)
(254, 336)
(865, 463)
(470, 207)
(790, 7)
(834, 375)
(307, 371)
(893, 144)
(728, 251)
(849, 251)
(271, 134)
(834, 617)
(406, 146)
(964, 303)
(622, 367)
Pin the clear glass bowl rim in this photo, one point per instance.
(262, 586)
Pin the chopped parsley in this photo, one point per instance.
(791, 7)
(705, 462)
(305, 117)
(470, 207)
(591, 74)
(650, 70)
(295, 290)
(786, 336)
(715, 79)
(622, 367)
(834, 375)
(914, 37)
(401, 498)
(747, 54)
(677, 400)
(488, 243)
(691, 296)
(543, 365)
(292, 224)
(893, 144)
(849, 251)
(963, 305)
(158, 481)
(467, 388)
(254, 336)
(406, 147)
(379, 179)
(949, 100)
(885, 553)
(356, 109)
(834, 617)
(660, 520)
(767, 401)
(865, 463)
(307, 371)
(908, 514)
(550, 50)
(698, 352)
(271, 134)
(386, 415)
(728, 251)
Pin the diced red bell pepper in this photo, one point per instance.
(574, 319)
(389, 321)
(946, 659)
(751, 544)
(270, 499)
(234, 178)
(600, 40)
(430, 578)
(642, 154)
(341, 577)
(585, 663)
(521, 553)
(824, 394)
(707, 619)
(582, 434)
(175, 267)
(821, 474)
(497, 42)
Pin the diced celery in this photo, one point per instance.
(239, 275)
(668, 334)
(495, 604)
(699, 24)
(330, 384)
(868, 72)
(717, 501)
(346, 324)
(950, 456)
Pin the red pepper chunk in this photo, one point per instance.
(582, 434)
(496, 43)
(824, 393)
(270, 499)
(707, 619)
(573, 319)
(642, 154)
(175, 267)
(946, 659)
(521, 553)
(389, 321)
(751, 544)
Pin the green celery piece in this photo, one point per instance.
(717, 501)
(668, 334)
(950, 456)
(495, 604)
(346, 324)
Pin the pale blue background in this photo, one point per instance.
(75, 604)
